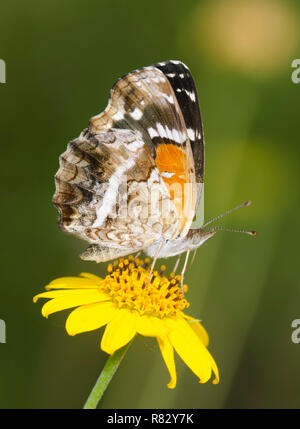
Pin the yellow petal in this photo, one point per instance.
(91, 276)
(199, 330)
(75, 282)
(215, 370)
(119, 331)
(150, 326)
(90, 317)
(191, 349)
(63, 299)
(167, 352)
(61, 293)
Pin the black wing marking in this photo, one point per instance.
(185, 90)
(144, 102)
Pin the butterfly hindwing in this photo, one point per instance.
(103, 191)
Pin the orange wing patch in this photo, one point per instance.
(171, 162)
(175, 170)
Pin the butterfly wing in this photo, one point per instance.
(144, 135)
(146, 101)
(183, 84)
(102, 194)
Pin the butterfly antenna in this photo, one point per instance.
(245, 204)
(242, 231)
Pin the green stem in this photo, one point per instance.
(105, 377)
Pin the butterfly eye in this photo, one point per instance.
(195, 240)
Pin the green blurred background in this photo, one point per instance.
(62, 58)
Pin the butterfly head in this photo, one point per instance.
(196, 237)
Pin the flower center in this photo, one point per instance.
(129, 286)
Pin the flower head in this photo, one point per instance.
(128, 304)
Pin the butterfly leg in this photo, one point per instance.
(137, 254)
(176, 263)
(193, 258)
(154, 261)
(184, 267)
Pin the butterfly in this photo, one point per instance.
(133, 180)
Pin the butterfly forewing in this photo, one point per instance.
(182, 82)
(145, 102)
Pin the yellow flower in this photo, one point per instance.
(128, 306)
